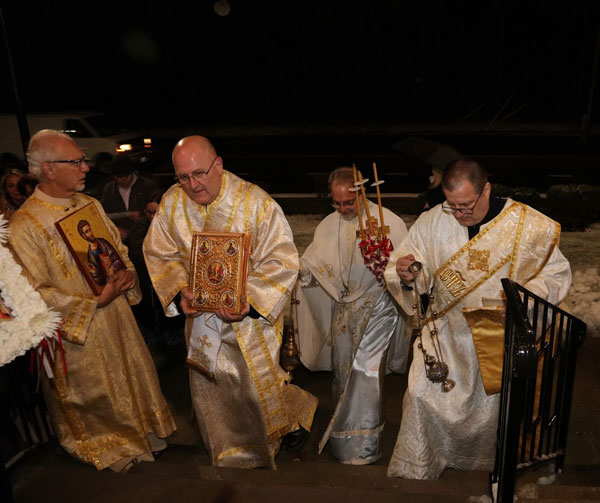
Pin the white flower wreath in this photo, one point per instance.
(31, 321)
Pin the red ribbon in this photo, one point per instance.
(375, 255)
(48, 351)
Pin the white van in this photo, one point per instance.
(98, 140)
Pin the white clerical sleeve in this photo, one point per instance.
(163, 260)
(554, 280)
(274, 264)
(414, 244)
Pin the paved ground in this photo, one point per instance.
(183, 473)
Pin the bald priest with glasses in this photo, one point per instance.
(243, 400)
(464, 247)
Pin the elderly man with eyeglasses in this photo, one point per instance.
(108, 410)
(346, 323)
(465, 246)
(243, 400)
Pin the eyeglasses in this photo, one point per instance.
(76, 162)
(343, 204)
(464, 211)
(198, 175)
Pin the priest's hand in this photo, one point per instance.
(186, 302)
(117, 284)
(229, 317)
(402, 268)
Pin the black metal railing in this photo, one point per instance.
(540, 352)
(23, 416)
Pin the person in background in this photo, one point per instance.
(26, 185)
(124, 198)
(434, 194)
(10, 197)
(159, 332)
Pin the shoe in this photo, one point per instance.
(294, 441)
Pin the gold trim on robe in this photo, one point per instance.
(273, 266)
(109, 403)
(458, 429)
(522, 230)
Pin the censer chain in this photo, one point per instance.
(436, 369)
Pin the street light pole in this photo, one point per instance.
(21, 117)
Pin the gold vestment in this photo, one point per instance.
(249, 404)
(109, 402)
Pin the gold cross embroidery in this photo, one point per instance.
(203, 339)
(326, 269)
(479, 260)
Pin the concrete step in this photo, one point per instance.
(183, 473)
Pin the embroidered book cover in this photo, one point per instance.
(90, 244)
(219, 268)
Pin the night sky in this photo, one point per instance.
(388, 61)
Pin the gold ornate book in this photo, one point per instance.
(91, 245)
(218, 269)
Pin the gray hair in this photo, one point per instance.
(41, 148)
(343, 175)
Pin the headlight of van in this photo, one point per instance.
(125, 147)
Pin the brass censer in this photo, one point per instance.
(436, 369)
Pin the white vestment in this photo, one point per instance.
(350, 332)
(242, 398)
(457, 429)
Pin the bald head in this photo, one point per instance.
(198, 168)
(196, 146)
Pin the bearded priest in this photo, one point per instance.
(349, 323)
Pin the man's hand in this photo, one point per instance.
(116, 285)
(186, 302)
(229, 317)
(402, 268)
(224, 314)
(134, 215)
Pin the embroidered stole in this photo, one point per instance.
(519, 235)
(258, 341)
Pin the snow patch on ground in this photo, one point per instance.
(583, 299)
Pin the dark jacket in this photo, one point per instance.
(112, 202)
